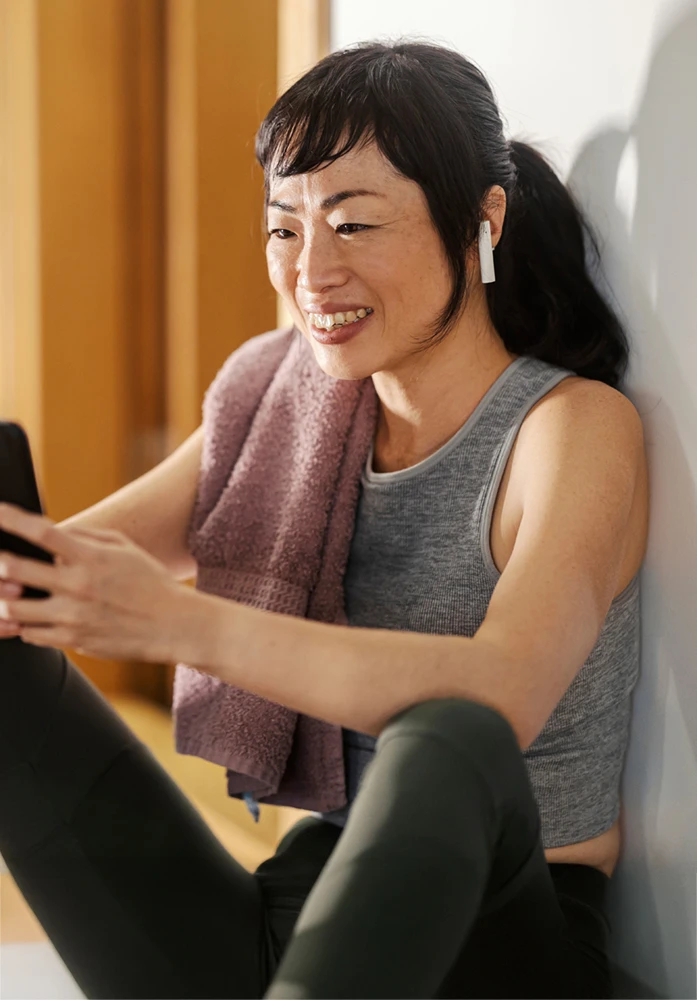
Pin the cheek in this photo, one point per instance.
(429, 265)
(420, 279)
(279, 270)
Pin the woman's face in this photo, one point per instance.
(357, 236)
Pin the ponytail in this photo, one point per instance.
(544, 302)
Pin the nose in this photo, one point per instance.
(319, 265)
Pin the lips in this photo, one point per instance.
(342, 333)
(326, 320)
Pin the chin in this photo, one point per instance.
(339, 362)
(345, 361)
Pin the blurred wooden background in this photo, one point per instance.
(131, 248)
(131, 265)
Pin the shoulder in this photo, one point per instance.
(582, 428)
(589, 409)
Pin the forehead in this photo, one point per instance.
(362, 168)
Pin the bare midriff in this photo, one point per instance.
(600, 852)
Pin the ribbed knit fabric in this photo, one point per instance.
(420, 560)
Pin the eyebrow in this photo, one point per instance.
(331, 202)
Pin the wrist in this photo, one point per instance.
(191, 627)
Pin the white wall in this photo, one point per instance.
(611, 88)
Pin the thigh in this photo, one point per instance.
(444, 797)
(438, 886)
(546, 936)
(137, 895)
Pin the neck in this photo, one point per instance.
(430, 397)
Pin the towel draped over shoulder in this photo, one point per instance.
(283, 450)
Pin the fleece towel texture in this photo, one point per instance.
(283, 451)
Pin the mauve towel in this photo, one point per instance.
(283, 450)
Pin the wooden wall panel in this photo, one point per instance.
(131, 231)
(303, 39)
(20, 278)
(84, 307)
(221, 80)
(183, 388)
(82, 261)
(143, 55)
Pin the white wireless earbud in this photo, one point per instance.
(486, 252)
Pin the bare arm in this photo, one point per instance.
(544, 617)
(154, 510)
(542, 622)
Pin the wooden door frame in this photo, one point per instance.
(304, 37)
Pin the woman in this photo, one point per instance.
(507, 473)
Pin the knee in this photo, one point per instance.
(460, 722)
(32, 679)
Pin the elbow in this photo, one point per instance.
(526, 725)
(525, 739)
(525, 729)
(525, 733)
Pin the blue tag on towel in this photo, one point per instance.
(252, 805)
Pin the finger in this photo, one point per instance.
(40, 530)
(53, 635)
(98, 534)
(34, 573)
(40, 611)
(10, 590)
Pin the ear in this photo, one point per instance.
(494, 209)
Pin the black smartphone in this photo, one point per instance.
(18, 486)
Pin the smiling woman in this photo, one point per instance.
(420, 518)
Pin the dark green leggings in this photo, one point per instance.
(437, 887)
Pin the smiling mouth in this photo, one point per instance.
(332, 321)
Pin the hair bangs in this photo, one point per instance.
(304, 138)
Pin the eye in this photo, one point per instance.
(282, 234)
(350, 227)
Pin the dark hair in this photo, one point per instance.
(433, 115)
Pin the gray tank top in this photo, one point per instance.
(420, 561)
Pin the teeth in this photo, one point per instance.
(326, 321)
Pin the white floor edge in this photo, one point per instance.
(34, 971)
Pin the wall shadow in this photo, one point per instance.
(650, 263)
